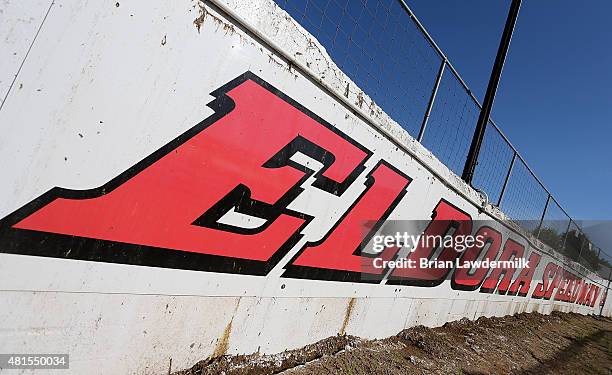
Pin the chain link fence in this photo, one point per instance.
(387, 52)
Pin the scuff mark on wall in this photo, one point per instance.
(201, 17)
(204, 13)
(360, 100)
(230, 29)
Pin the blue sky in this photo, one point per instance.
(555, 97)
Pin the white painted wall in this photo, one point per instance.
(19, 24)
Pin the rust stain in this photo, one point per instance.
(347, 315)
(223, 342)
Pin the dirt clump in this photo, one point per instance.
(257, 364)
(528, 343)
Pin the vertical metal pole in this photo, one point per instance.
(501, 195)
(607, 291)
(581, 245)
(598, 254)
(432, 98)
(543, 216)
(485, 112)
(566, 234)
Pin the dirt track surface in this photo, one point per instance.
(559, 343)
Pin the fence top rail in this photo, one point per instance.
(439, 51)
(560, 207)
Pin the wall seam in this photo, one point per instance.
(25, 57)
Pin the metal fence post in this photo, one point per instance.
(543, 216)
(607, 291)
(581, 245)
(432, 99)
(501, 194)
(487, 104)
(566, 234)
(598, 256)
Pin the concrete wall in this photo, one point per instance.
(122, 128)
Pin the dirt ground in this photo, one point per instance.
(559, 343)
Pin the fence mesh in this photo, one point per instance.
(493, 164)
(589, 256)
(604, 266)
(572, 241)
(378, 46)
(524, 198)
(554, 226)
(383, 49)
(451, 123)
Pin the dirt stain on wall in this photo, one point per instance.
(347, 315)
(224, 341)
